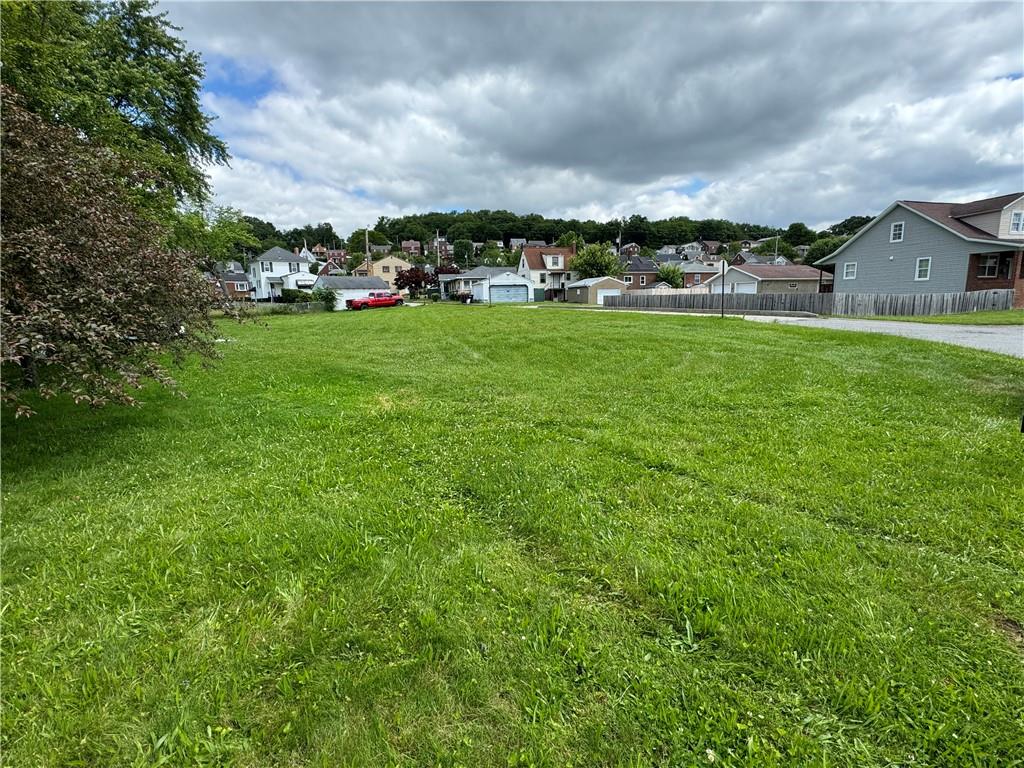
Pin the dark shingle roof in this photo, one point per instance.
(944, 214)
(278, 253)
(788, 272)
(986, 205)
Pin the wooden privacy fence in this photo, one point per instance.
(851, 304)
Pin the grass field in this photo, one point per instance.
(471, 536)
(988, 317)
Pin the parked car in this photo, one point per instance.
(375, 299)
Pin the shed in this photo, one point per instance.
(348, 287)
(593, 290)
(503, 288)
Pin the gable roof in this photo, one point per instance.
(589, 281)
(535, 255)
(477, 273)
(772, 272)
(277, 253)
(341, 282)
(946, 216)
(640, 264)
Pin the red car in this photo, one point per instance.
(375, 299)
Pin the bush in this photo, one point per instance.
(325, 295)
(294, 296)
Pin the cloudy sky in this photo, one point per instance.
(766, 113)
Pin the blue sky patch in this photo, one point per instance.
(692, 187)
(226, 77)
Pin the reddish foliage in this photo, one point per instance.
(91, 296)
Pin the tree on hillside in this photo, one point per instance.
(850, 225)
(491, 255)
(671, 274)
(776, 246)
(462, 252)
(826, 246)
(569, 239)
(91, 297)
(116, 73)
(596, 260)
(267, 234)
(799, 233)
(357, 240)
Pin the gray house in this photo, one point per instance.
(921, 247)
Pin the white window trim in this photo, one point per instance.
(627, 279)
(1017, 221)
(643, 279)
(265, 266)
(995, 268)
(696, 279)
(892, 231)
(846, 270)
(917, 269)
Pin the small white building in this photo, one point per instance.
(350, 287)
(489, 285)
(276, 269)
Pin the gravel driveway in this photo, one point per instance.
(1004, 339)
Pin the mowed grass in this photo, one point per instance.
(472, 536)
(985, 317)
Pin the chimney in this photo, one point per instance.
(295, 250)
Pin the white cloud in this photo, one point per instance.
(785, 111)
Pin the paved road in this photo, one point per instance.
(1004, 339)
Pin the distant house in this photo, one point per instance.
(379, 249)
(640, 272)
(711, 246)
(629, 249)
(535, 243)
(697, 273)
(232, 278)
(441, 248)
(349, 287)
(801, 250)
(746, 257)
(385, 269)
(490, 285)
(924, 247)
(668, 251)
(549, 270)
(277, 269)
(769, 278)
(516, 242)
(594, 290)
(412, 248)
(692, 250)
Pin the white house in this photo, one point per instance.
(490, 285)
(274, 270)
(349, 287)
(548, 269)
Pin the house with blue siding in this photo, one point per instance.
(925, 247)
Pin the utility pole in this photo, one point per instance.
(366, 235)
(724, 268)
(437, 246)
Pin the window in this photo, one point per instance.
(628, 279)
(643, 279)
(265, 266)
(988, 266)
(696, 279)
(850, 270)
(792, 285)
(896, 232)
(556, 261)
(241, 286)
(577, 291)
(385, 269)
(293, 266)
(1017, 221)
(543, 277)
(924, 268)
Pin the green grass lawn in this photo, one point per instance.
(987, 317)
(471, 536)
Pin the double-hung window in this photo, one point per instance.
(923, 270)
(293, 266)
(1017, 221)
(643, 279)
(988, 266)
(628, 279)
(896, 232)
(265, 266)
(850, 270)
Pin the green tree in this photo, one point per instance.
(799, 233)
(596, 260)
(671, 274)
(462, 251)
(826, 246)
(357, 240)
(491, 255)
(212, 234)
(326, 295)
(850, 225)
(569, 239)
(116, 73)
(776, 246)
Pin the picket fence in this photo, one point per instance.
(849, 304)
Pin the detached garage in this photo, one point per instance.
(502, 287)
(594, 290)
(347, 287)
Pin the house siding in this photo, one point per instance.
(1004, 222)
(884, 267)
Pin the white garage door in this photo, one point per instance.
(744, 287)
(503, 294)
(602, 292)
